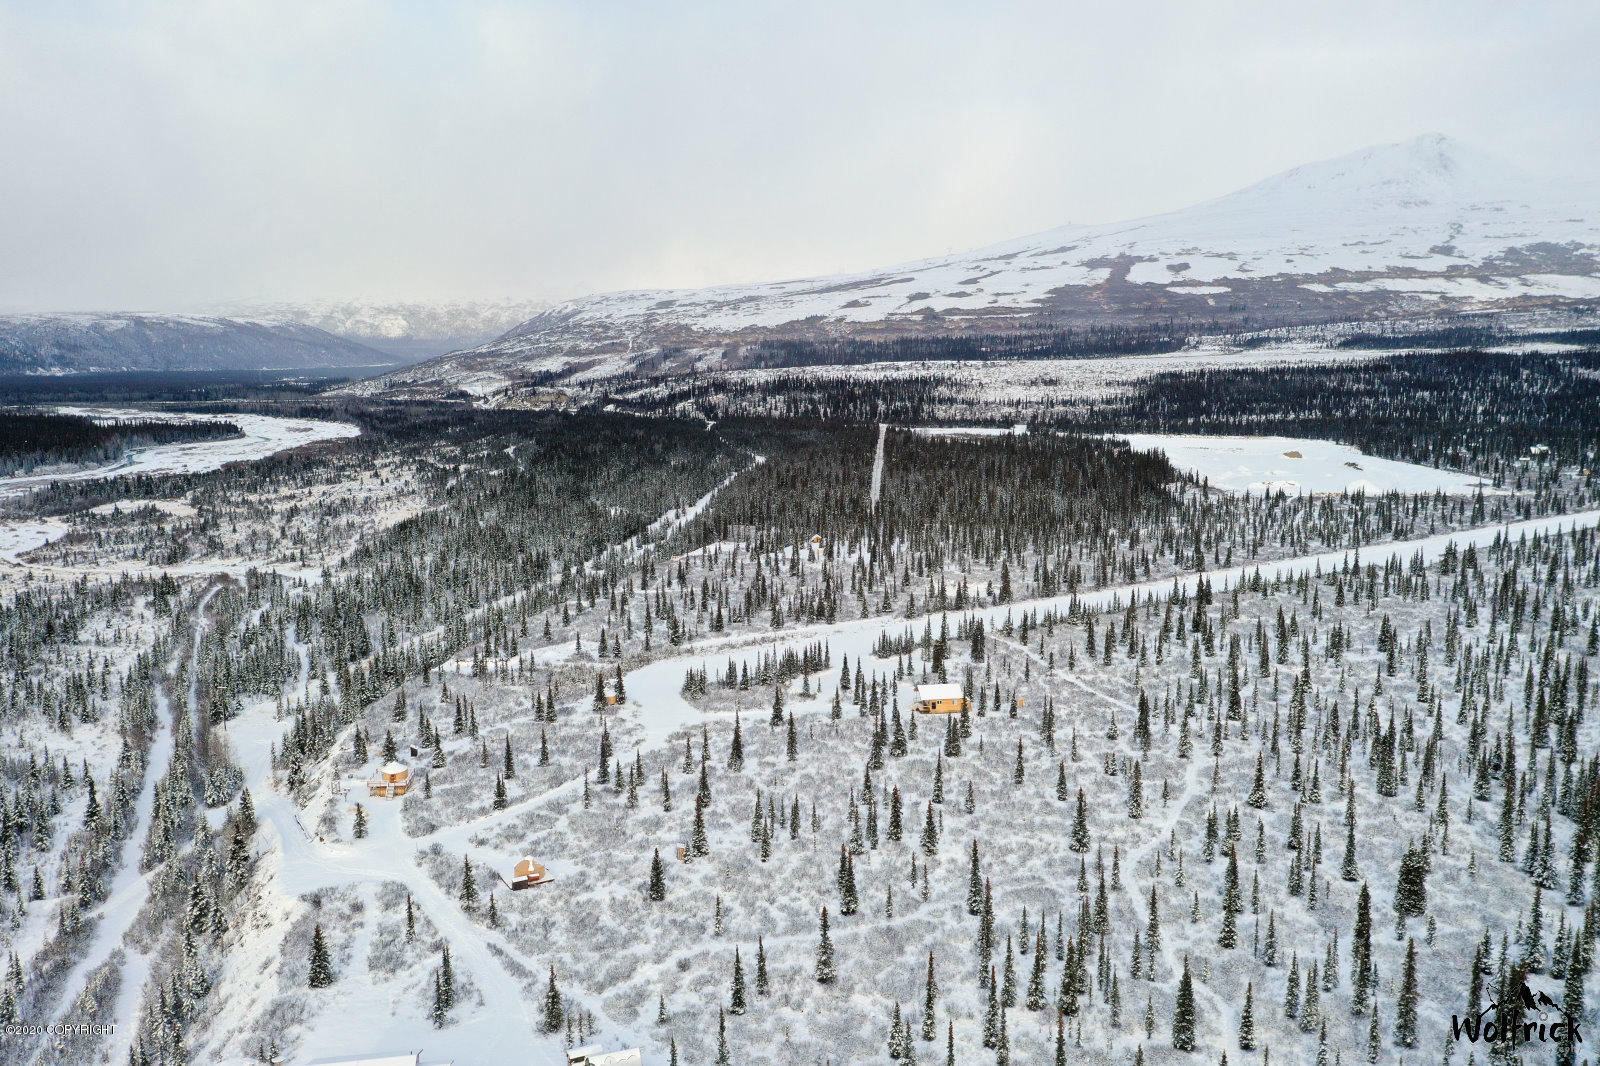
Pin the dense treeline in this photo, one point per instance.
(982, 495)
(1460, 410)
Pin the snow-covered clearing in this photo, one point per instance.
(175, 508)
(19, 538)
(971, 431)
(1298, 465)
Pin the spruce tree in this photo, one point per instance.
(554, 1016)
(469, 886)
(447, 978)
(1405, 1026)
(824, 971)
(320, 972)
(1183, 1014)
(657, 890)
(736, 995)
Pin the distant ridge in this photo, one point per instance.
(1425, 226)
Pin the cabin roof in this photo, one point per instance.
(939, 692)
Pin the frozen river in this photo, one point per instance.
(264, 435)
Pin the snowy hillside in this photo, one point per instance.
(1420, 226)
(76, 343)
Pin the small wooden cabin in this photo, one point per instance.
(527, 874)
(940, 699)
(393, 779)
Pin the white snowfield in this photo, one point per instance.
(19, 538)
(1298, 466)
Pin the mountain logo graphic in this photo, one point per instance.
(1530, 1017)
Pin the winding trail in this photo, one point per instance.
(130, 888)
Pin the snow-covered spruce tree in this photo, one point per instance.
(1411, 886)
(360, 828)
(320, 972)
(824, 972)
(1405, 1025)
(468, 895)
(447, 978)
(1079, 839)
(656, 891)
(724, 1056)
(553, 1017)
(736, 994)
(1183, 1013)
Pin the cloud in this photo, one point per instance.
(173, 154)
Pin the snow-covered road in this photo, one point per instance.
(877, 464)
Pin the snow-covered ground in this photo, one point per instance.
(656, 715)
(1298, 465)
(656, 689)
(19, 538)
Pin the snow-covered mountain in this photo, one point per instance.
(1423, 226)
(78, 343)
(410, 329)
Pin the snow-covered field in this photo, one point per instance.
(19, 538)
(1298, 465)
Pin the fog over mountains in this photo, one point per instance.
(1420, 227)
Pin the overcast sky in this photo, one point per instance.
(164, 155)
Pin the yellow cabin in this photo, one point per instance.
(940, 699)
(392, 779)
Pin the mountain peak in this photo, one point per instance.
(1429, 169)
